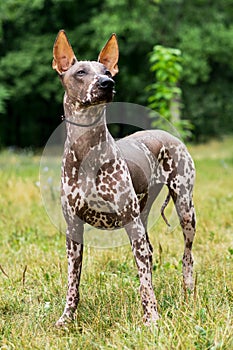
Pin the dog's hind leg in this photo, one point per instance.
(180, 182)
(74, 249)
(186, 213)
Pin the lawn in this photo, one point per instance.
(33, 270)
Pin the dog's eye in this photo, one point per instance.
(80, 73)
(108, 73)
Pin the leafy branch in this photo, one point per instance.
(165, 94)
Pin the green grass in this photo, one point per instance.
(33, 270)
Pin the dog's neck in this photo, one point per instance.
(86, 126)
(84, 115)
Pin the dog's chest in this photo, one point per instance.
(98, 189)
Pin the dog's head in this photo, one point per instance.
(86, 82)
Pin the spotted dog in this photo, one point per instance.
(110, 184)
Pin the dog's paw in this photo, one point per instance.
(63, 322)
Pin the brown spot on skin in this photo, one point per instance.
(108, 197)
(107, 179)
(166, 166)
(118, 175)
(110, 169)
(188, 244)
(103, 188)
(193, 221)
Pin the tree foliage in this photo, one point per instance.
(165, 93)
(166, 64)
(30, 94)
(203, 31)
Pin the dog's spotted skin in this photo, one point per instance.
(110, 184)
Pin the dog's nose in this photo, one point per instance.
(106, 82)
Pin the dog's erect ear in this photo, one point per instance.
(109, 55)
(63, 55)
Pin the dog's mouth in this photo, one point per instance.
(99, 96)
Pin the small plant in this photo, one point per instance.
(165, 97)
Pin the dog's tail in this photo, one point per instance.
(163, 208)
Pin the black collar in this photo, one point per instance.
(79, 124)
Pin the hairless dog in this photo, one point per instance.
(112, 184)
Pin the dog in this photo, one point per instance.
(103, 185)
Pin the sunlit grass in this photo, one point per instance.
(33, 270)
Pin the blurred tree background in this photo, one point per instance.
(31, 95)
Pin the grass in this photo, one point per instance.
(33, 270)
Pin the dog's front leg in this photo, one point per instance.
(74, 255)
(143, 256)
